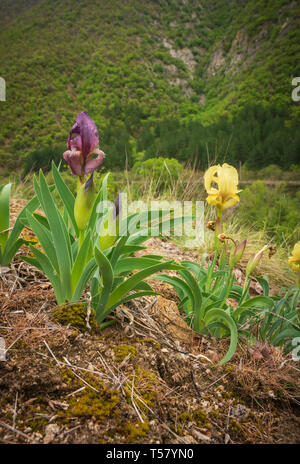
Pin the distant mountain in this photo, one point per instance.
(135, 62)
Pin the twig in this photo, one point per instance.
(76, 391)
(197, 356)
(68, 364)
(172, 390)
(173, 433)
(195, 385)
(12, 429)
(228, 418)
(133, 403)
(216, 381)
(52, 354)
(15, 341)
(71, 430)
(107, 367)
(15, 411)
(86, 383)
(88, 314)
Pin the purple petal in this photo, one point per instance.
(73, 158)
(241, 246)
(88, 133)
(93, 163)
(71, 142)
(89, 182)
(75, 144)
(118, 206)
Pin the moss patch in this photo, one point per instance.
(74, 314)
(145, 385)
(122, 351)
(151, 341)
(136, 431)
(90, 403)
(201, 418)
(184, 419)
(98, 402)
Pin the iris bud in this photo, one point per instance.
(109, 228)
(84, 203)
(237, 253)
(252, 263)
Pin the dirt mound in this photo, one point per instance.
(147, 379)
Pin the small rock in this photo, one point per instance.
(51, 431)
(189, 440)
(200, 437)
(37, 436)
(239, 411)
(227, 438)
(58, 405)
(91, 367)
(4, 270)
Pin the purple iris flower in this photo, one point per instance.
(83, 146)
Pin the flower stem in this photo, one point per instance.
(210, 272)
(244, 292)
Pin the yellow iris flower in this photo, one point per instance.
(226, 179)
(294, 260)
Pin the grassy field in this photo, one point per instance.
(268, 211)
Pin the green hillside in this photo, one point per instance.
(169, 78)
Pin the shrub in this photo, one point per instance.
(271, 209)
(271, 172)
(42, 158)
(161, 170)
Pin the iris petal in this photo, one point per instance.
(88, 133)
(209, 177)
(225, 177)
(83, 145)
(294, 260)
(228, 179)
(231, 200)
(94, 163)
(75, 143)
(75, 130)
(73, 160)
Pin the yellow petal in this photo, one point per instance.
(228, 179)
(209, 177)
(293, 265)
(294, 260)
(215, 200)
(231, 200)
(296, 251)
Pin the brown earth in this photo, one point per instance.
(146, 379)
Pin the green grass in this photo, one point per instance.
(265, 214)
